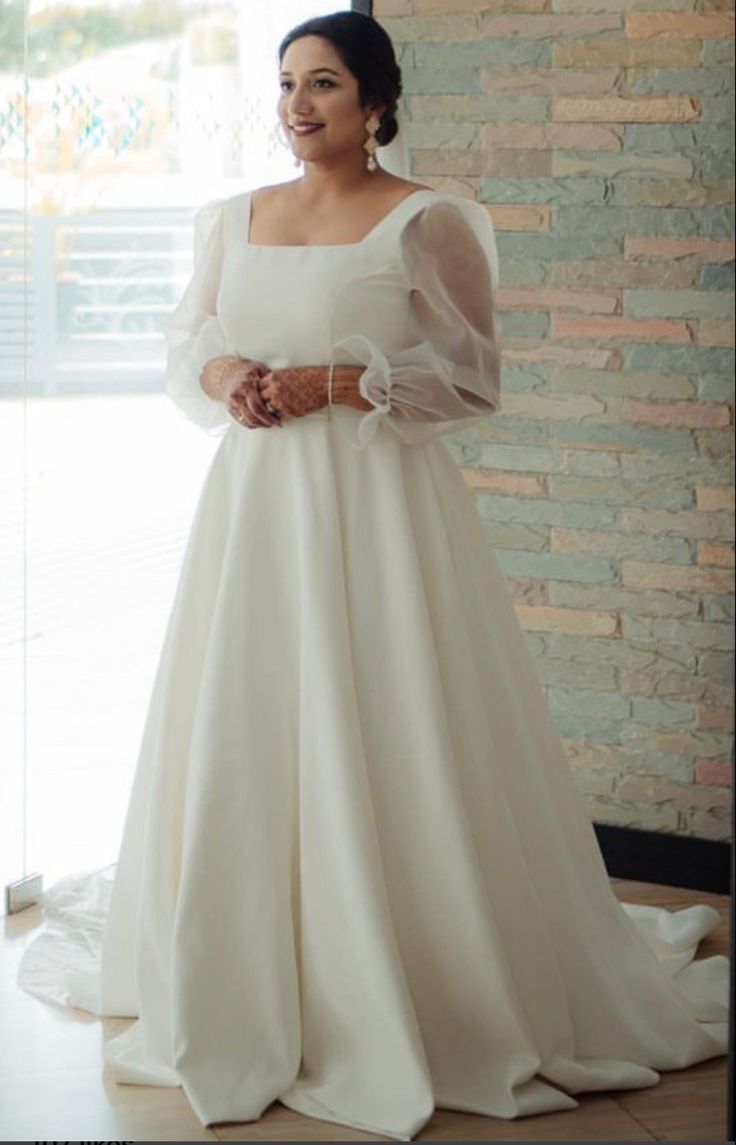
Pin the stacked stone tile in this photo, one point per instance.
(600, 135)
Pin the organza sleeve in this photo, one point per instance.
(449, 376)
(193, 332)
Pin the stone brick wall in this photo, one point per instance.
(600, 134)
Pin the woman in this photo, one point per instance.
(356, 875)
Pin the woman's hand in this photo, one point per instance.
(234, 381)
(295, 391)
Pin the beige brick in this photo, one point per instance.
(713, 497)
(705, 825)
(702, 249)
(519, 217)
(616, 109)
(712, 526)
(551, 81)
(451, 185)
(592, 272)
(427, 161)
(518, 164)
(676, 193)
(678, 25)
(714, 555)
(513, 484)
(648, 574)
(544, 298)
(622, 329)
(528, 590)
(691, 744)
(692, 415)
(547, 619)
(626, 53)
(681, 796)
(388, 8)
(715, 332)
(545, 136)
(603, 809)
(456, 28)
(531, 350)
(625, 163)
(442, 7)
(612, 383)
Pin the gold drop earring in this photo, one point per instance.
(371, 144)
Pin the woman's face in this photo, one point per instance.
(319, 105)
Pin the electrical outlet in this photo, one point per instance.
(23, 893)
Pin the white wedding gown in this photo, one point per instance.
(356, 875)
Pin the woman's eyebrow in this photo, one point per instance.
(314, 72)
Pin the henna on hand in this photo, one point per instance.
(296, 390)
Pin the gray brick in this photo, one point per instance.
(653, 711)
(688, 470)
(621, 546)
(439, 135)
(644, 602)
(523, 272)
(590, 463)
(524, 377)
(677, 304)
(718, 609)
(481, 108)
(512, 431)
(717, 109)
(685, 138)
(685, 81)
(622, 437)
(693, 633)
(711, 526)
(507, 54)
(596, 677)
(719, 665)
(717, 52)
(521, 458)
(582, 725)
(449, 80)
(716, 222)
(521, 537)
(717, 277)
(599, 705)
(714, 167)
(625, 654)
(545, 190)
(574, 515)
(676, 685)
(716, 387)
(662, 494)
(696, 360)
(559, 248)
(558, 567)
(524, 324)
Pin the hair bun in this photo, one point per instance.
(389, 128)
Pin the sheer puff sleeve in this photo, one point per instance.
(193, 332)
(449, 376)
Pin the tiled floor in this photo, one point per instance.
(53, 1084)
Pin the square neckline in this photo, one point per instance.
(327, 246)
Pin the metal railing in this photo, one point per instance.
(93, 291)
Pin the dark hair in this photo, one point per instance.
(366, 50)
